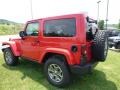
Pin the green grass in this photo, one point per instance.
(29, 76)
(10, 29)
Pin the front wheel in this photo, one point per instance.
(9, 57)
(57, 72)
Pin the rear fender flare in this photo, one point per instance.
(64, 52)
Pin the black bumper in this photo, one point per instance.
(78, 69)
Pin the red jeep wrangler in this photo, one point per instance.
(64, 44)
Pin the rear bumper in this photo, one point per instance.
(78, 69)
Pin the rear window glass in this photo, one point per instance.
(60, 28)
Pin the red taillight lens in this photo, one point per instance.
(83, 50)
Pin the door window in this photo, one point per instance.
(32, 29)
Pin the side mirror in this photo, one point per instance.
(22, 34)
(88, 19)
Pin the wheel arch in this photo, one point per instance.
(51, 54)
(58, 52)
(12, 45)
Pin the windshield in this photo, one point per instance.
(115, 33)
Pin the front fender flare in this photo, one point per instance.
(12, 46)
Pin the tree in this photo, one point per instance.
(101, 24)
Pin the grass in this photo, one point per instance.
(10, 29)
(29, 76)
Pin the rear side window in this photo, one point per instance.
(60, 28)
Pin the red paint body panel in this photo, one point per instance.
(36, 47)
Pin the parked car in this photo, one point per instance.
(64, 44)
(114, 41)
(112, 33)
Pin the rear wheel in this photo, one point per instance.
(117, 46)
(9, 57)
(57, 72)
(100, 46)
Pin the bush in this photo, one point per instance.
(101, 24)
(10, 29)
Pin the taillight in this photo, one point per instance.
(83, 55)
(83, 50)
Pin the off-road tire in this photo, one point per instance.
(9, 57)
(66, 75)
(100, 46)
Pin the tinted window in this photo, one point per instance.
(32, 29)
(60, 28)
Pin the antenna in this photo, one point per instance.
(31, 9)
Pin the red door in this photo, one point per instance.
(30, 45)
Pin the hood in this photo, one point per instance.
(115, 37)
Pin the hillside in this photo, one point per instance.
(9, 27)
(3, 21)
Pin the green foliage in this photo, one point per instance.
(113, 25)
(101, 24)
(119, 25)
(10, 29)
(3, 21)
(30, 76)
